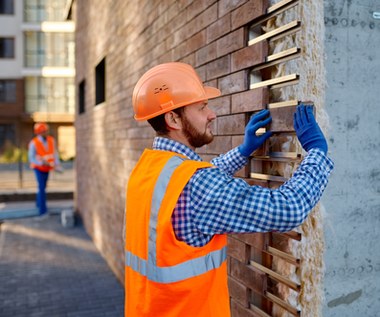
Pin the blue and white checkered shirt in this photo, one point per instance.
(214, 202)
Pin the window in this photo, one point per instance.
(7, 47)
(49, 94)
(49, 49)
(6, 7)
(82, 97)
(100, 82)
(7, 91)
(44, 10)
(7, 135)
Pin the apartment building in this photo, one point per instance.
(36, 72)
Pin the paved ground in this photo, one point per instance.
(47, 270)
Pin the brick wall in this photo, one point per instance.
(134, 36)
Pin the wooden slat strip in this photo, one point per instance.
(290, 51)
(274, 81)
(280, 5)
(291, 234)
(268, 177)
(276, 61)
(286, 256)
(258, 311)
(281, 104)
(285, 33)
(276, 276)
(285, 84)
(275, 10)
(283, 304)
(282, 29)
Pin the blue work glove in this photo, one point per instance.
(252, 141)
(307, 129)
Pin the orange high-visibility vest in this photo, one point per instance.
(44, 153)
(164, 276)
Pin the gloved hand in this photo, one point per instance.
(251, 141)
(307, 129)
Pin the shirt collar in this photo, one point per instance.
(165, 144)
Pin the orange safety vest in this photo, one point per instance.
(164, 276)
(44, 153)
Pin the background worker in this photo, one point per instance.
(179, 209)
(43, 158)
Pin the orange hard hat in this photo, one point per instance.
(40, 127)
(166, 87)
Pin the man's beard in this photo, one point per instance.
(194, 137)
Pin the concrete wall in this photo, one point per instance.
(352, 199)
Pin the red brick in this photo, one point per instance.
(230, 43)
(250, 100)
(200, 22)
(249, 56)
(240, 311)
(221, 105)
(219, 28)
(226, 6)
(247, 13)
(247, 276)
(205, 54)
(238, 250)
(231, 125)
(221, 144)
(217, 68)
(233, 83)
(196, 42)
(238, 291)
(197, 6)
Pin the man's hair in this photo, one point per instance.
(159, 124)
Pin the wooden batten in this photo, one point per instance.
(275, 34)
(268, 177)
(275, 81)
(283, 304)
(258, 311)
(290, 234)
(279, 58)
(285, 256)
(274, 10)
(281, 5)
(276, 276)
(288, 103)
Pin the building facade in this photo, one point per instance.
(37, 72)
(116, 44)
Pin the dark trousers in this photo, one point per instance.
(42, 178)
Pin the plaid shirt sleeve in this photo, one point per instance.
(216, 203)
(230, 162)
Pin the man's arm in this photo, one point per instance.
(32, 154)
(222, 204)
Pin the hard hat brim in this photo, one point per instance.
(212, 92)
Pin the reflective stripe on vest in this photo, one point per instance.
(180, 271)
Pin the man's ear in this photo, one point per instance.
(173, 120)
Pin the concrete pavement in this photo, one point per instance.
(47, 270)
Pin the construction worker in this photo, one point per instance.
(43, 158)
(180, 209)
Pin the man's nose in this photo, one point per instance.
(212, 115)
